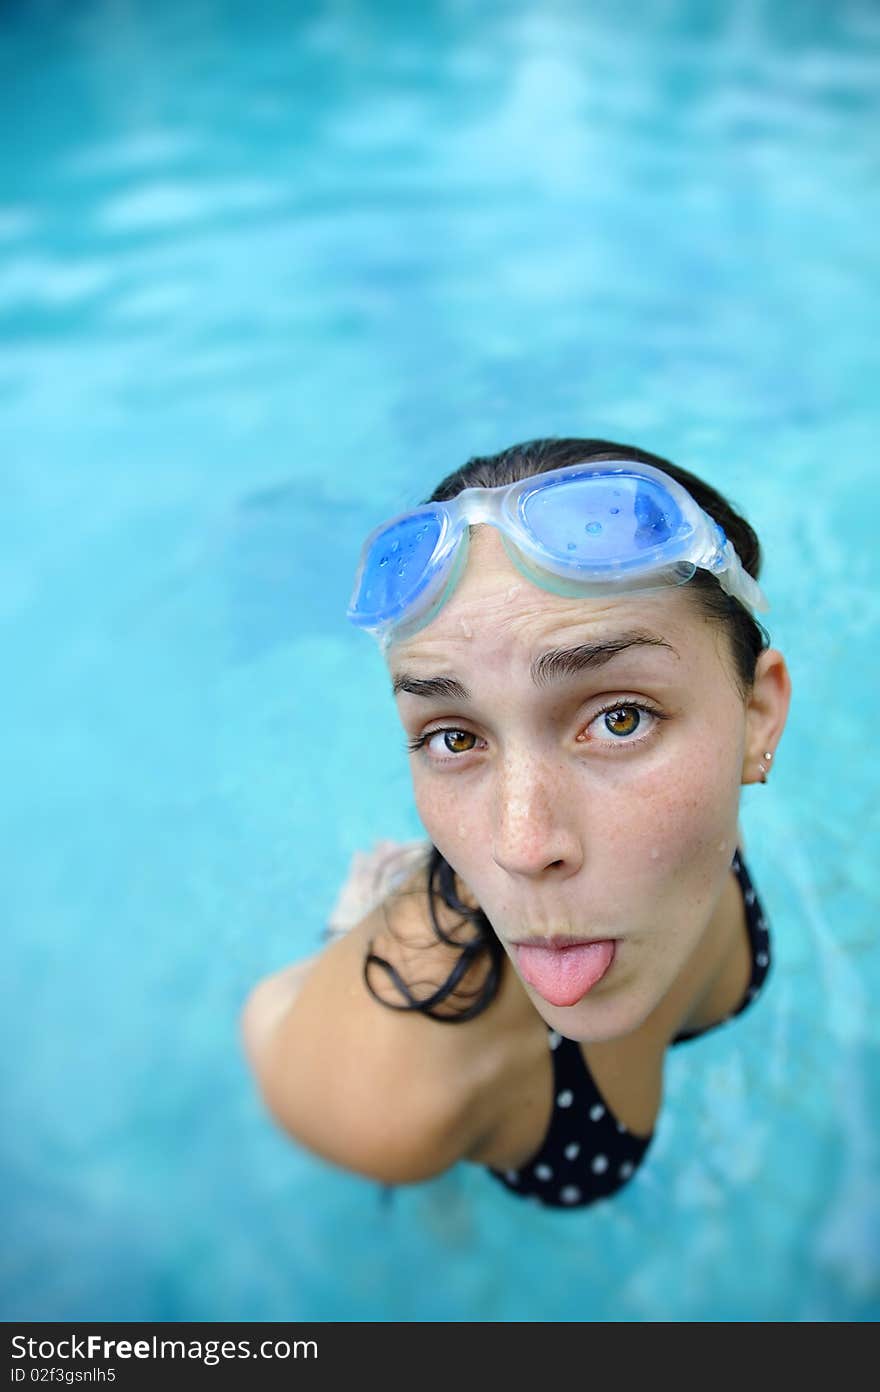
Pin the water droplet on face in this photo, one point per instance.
(593, 528)
(466, 629)
(655, 854)
(572, 546)
(402, 572)
(615, 511)
(395, 546)
(384, 561)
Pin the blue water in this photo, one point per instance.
(267, 272)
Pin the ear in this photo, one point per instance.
(766, 714)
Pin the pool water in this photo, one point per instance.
(268, 272)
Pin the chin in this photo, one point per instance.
(592, 1020)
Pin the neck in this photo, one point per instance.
(709, 988)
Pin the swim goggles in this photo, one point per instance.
(602, 527)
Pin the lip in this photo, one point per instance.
(558, 941)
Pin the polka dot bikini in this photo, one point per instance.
(587, 1154)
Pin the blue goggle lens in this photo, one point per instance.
(396, 567)
(608, 520)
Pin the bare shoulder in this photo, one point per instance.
(368, 1084)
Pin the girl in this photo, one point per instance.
(570, 633)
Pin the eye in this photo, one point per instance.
(619, 725)
(452, 739)
(623, 720)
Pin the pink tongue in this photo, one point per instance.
(562, 975)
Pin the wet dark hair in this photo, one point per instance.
(746, 639)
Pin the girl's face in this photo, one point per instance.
(596, 799)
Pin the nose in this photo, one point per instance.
(534, 830)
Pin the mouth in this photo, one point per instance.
(563, 971)
(557, 941)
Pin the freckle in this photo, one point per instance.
(466, 629)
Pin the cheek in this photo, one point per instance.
(449, 819)
(682, 819)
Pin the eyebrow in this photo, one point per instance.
(552, 667)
